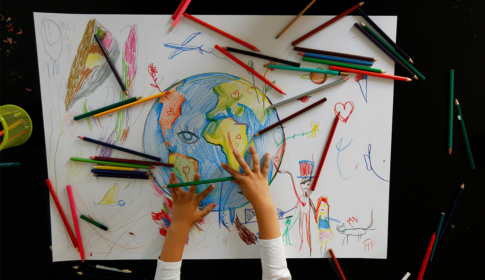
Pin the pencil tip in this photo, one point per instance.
(151, 167)
(409, 79)
(128, 271)
(462, 185)
(256, 50)
(346, 78)
(449, 151)
(362, 24)
(75, 267)
(300, 53)
(344, 74)
(410, 60)
(91, 157)
(277, 37)
(224, 48)
(361, 3)
(171, 28)
(456, 102)
(80, 137)
(138, 97)
(126, 92)
(80, 273)
(415, 77)
(375, 59)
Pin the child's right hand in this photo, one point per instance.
(253, 183)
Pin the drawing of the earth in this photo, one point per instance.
(198, 124)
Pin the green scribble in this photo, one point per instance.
(293, 137)
(55, 154)
(85, 110)
(165, 208)
(131, 182)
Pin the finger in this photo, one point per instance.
(205, 193)
(254, 155)
(193, 188)
(174, 195)
(178, 191)
(231, 171)
(235, 182)
(206, 210)
(173, 178)
(267, 159)
(242, 163)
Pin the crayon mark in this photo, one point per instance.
(368, 163)
(345, 110)
(358, 78)
(340, 149)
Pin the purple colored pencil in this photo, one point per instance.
(448, 218)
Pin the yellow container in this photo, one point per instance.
(15, 126)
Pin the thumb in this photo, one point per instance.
(206, 210)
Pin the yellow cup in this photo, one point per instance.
(15, 126)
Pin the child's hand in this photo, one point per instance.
(253, 183)
(185, 209)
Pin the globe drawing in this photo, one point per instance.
(198, 124)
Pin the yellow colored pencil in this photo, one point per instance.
(104, 167)
(131, 104)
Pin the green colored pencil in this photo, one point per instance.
(106, 108)
(10, 164)
(328, 62)
(169, 186)
(440, 223)
(465, 136)
(393, 51)
(94, 223)
(450, 119)
(304, 69)
(112, 163)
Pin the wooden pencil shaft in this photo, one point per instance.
(303, 69)
(177, 11)
(120, 148)
(327, 62)
(140, 173)
(352, 56)
(109, 268)
(76, 225)
(337, 264)
(110, 63)
(438, 230)
(308, 93)
(297, 17)
(465, 135)
(181, 13)
(385, 76)
(448, 217)
(426, 257)
(133, 161)
(229, 49)
(110, 163)
(337, 59)
(450, 110)
(131, 104)
(334, 268)
(97, 111)
(200, 182)
(123, 176)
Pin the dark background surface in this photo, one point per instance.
(438, 35)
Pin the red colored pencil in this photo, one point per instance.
(180, 13)
(59, 208)
(174, 16)
(132, 161)
(309, 34)
(426, 257)
(386, 76)
(325, 151)
(225, 34)
(76, 225)
(290, 117)
(268, 82)
(337, 265)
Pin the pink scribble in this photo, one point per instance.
(368, 244)
(356, 166)
(130, 58)
(352, 220)
(108, 41)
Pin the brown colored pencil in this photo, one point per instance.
(336, 264)
(365, 58)
(290, 117)
(297, 17)
(142, 162)
(270, 58)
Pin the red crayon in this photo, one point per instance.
(426, 257)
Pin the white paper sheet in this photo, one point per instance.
(354, 179)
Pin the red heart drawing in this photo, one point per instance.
(171, 111)
(344, 109)
(250, 91)
(186, 170)
(235, 95)
(238, 136)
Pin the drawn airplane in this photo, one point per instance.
(180, 48)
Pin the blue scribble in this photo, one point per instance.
(361, 90)
(340, 149)
(180, 48)
(280, 213)
(368, 164)
(335, 220)
(121, 203)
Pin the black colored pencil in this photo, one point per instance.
(450, 213)
(353, 56)
(118, 172)
(111, 65)
(270, 58)
(119, 148)
(123, 176)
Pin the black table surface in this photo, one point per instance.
(438, 35)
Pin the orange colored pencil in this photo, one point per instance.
(225, 34)
(268, 82)
(386, 76)
(336, 264)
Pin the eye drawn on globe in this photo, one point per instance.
(198, 124)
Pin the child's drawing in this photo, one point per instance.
(359, 78)
(322, 218)
(358, 232)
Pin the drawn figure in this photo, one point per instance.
(286, 234)
(368, 163)
(355, 231)
(368, 244)
(359, 78)
(53, 43)
(322, 218)
(340, 149)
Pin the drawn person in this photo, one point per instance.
(286, 234)
(322, 218)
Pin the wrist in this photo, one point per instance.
(263, 205)
(178, 229)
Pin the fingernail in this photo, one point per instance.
(212, 186)
(223, 164)
(213, 205)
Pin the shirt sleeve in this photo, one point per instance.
(168, 270)
(273, 259)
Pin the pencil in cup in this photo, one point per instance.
(112, 163)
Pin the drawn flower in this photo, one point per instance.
(152, 70)
(315, 129)
(69, 125)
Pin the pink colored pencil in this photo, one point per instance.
(76, 225)
(180, 13)
(178, 9)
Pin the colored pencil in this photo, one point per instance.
(297, 17)
(308, 92)
(450, 116)
(200, 182)
(438, 230)
(12, 126)
(110, 63)
(351, 56)
(426, 257)
(100, 110)
(334, 268)
(455, 202)
(376, 27)
(337, 264)
(63, 217)
(396, 54)
(102, 167)
(139, 173)
(9, 164)
(290, 117)
(385, 50)
(133, 161)
(98, 271)
(324, 155)
(109, 268)
(179, 8)
(242, 64)
(337, 59)
(181, 12)
(87, 219)
(131, 104)
(445, 232)
(112, 163)
(465, 136)
(270, 58)
(385, 76)
(119, 148)
(406, 276)
(336, 18)
(335, 63)
(304, 69)
(225, 34)
(76, 225)
(124, 176)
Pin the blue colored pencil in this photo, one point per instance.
(437, 234)
(118, 172)
(445, 225)
(339, 59)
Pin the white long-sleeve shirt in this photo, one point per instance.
(273, 261)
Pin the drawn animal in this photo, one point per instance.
(359, 232)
